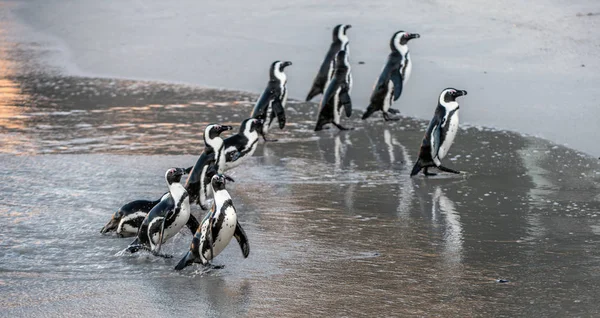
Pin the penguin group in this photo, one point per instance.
(153, 222)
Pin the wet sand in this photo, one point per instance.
(528, 67)
(336, 226)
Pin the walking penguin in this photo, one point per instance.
(440, 133)
(271, 103)
(393, 77)
(337, 94)
(340, 42)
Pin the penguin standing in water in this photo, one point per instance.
(242, 145)
(217, 229)
(271, 103)
(440, 134)
(127, 220)
(340, 42)
(337, 94)
(211, 161)
(393, 77)
(163, 223)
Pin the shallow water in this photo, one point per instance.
(336, 226)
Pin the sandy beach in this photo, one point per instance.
(336, 226)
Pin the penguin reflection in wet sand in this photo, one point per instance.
(440, 133)
(127, 220)
(393, 77)
(211, 161)
(340, 42)
(217, 229)
(337, 94)
(271, 103)
(164, 222)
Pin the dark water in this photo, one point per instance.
(336, 226)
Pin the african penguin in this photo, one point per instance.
(217, 229)
(210, 162)
(163, 223)
(440, 133)
(340, 42)
(393, 77)
(127, 220)
(337, 94)
(272, 102)
(242, 145)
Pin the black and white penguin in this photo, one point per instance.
(440, 133)
(393, 77)
(337, 94)
(210, 162)
(217, 229)
(340, 42)
(127, 220)
(163, 223)
(272, 102)
(242, 145)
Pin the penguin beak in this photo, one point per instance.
(285, 64)
(110, 226)
(348, 26)
(461, 93)
(180, 171)
(258, 121)
(223, 128)
(414, 36)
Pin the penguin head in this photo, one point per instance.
(213, 131)
(113, 224)
(277, 67)
(174, 175)
(218, 182)
(250, 126)
(340, 32)
(401, 38)
(449, 95)
(341, 58)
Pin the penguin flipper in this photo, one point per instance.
(187, 260)
(370, 110)
(314, 91)
(397, 80)
(346, 101)
(240, 236)
(192, 224)
(417, 167)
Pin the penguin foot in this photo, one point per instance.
(387, 117)
(427, 173)
(162, 255)
(212, 266)
(340, 127)
(393, 111)
(442, 168)
(269, 140)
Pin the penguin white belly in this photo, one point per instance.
(450, 134)
(269, 119)
(225, 233)
(387, 100)
(407, 70)
(180, 220)
(336, 106)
